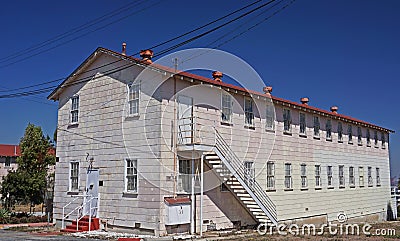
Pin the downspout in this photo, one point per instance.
(175, 138)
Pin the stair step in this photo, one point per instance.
(240, 195)
(237, 187)
(250, 202)
(246, 199)
(252, 205)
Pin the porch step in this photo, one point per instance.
(83, 225)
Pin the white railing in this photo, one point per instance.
(81, 210)
(196, 130)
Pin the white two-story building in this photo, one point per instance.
(164, 151)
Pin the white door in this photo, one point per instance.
(185, 119)
(92, 192)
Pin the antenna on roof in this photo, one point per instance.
(175, 61)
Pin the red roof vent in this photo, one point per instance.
(123, 48)
(304, 100)
(267, 89)
(334, 109)
(146, 55)
(217, 76)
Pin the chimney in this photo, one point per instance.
(267, 89)
(217, 76)
(146, 55)
(334, 109)
(304, 100)
(123, 49)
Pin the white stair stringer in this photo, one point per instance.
(252, 196)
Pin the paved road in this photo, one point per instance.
(6, 235)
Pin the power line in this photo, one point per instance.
(46, 89)
(80, 36)
(71, 31)
(155, 46)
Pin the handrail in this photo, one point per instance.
(80, 209)
(63, 210)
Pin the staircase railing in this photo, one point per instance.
(80, 209)
(236, 167)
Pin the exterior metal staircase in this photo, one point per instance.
(232, 171)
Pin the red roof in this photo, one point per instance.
(217, 83)
(177, 200)
(9, 150)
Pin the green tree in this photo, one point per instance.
(27, 184)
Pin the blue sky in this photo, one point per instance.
(342, 52)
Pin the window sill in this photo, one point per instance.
(288, 189)
(250, 127)
(225, 123)
(304, 189)
(339, 141)
(289, 133)
(350, 143)
(329, 139)
(303, 135)
(368, 145)
(317, 138)
(270, 130)
(376, 146)
(134, 116)
(271, 190)
(331, 187)
(341, 187)
(378, 185)
(383, 147)
(72, 125)
(71, 193)
(352, 186)
(370, 185)
(130, 194)
(361, 185)
(318, 188)
(360, 144)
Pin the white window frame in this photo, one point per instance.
(74, 109)
(248, 111)
(287, 121)
(135, 174)
(226, 99)
(370, 179)
(361, 176)
(270, 175)
(302, 124)
(303, 175)
(317, 126)
(352, 181)
(318, 183)
(340, 132)
(328, 128)
(288, 176)
(350, 133)
(378, 177)
(341, 176)
(269, 116)
(133, 97)
(329, 173)
(70, 176)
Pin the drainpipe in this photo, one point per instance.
(192, 199)
(201, 194)
(174, 137)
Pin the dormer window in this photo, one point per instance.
(316, 126)
(287, 121)
(248, 112)
(350, 133)
(359, 136)
(302, 120)
(328, 127)
(340, 132)
(368, 138)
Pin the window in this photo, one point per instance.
(378, 177)
(368, 138)
(184, 180)
(133, 99)
(74, 109)
(302, 120)
(351, 177)
(303, 171)
(74, 176)
(350, 133)
(328, 127)
(370, 182)
(131, 181)
(340, 132)
(383, 140)
(249, 173)
(248, 112)
(287, 121)
(226, 114)
(270, 175)
(341, 176)
(270, 116)
(316, 126)
(359, 135)
(317, 176)
(7, 162)
(376, 138)
(361, 176)
(288, 176)
(329, 174)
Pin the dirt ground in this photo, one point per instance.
(377, 232)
